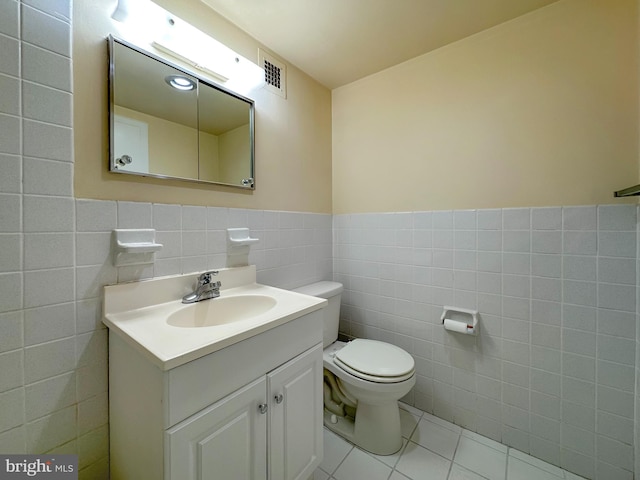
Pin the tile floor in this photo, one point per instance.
(433, 449)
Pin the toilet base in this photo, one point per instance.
(376, 428)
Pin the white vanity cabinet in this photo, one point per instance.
(271, 425)
(252, 410)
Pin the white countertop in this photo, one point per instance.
(146, 328)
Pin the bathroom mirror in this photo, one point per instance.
(166, 122)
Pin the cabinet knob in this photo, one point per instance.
(278, 398)
(262, 408)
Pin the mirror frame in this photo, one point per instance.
(201, 81)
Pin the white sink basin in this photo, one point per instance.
(151, 316)
(221, 310)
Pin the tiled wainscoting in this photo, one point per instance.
(552, 372)
(53, 345)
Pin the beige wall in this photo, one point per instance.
(542, 110)
(293, 135)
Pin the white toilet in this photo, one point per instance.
(363, 379)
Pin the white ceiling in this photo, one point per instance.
(340, 41)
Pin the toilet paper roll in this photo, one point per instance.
(455, 326)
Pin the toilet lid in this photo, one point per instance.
(375, 361)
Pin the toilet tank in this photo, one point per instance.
(331, 313)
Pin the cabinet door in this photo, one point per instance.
(295, 419)
(227, 440)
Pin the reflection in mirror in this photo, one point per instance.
(168, 123)
(223, 139)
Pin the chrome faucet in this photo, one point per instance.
(205, 288)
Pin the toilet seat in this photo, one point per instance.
(375, 361)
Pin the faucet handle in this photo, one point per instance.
(205, 278)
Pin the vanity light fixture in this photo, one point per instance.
(180, 83)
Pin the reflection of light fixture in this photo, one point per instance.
(180, 83)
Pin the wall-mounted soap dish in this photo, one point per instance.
(239, 243)
(135, 246)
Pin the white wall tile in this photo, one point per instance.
(12, 408)
(10, 252)
(46, 31)
(616, 349)
(45, 67)
(578, 391)
(578, 415)
(616, 376)
(580, 243)
(93, 413)
(49, 359)
(194, 218)
(167, 217)
(95, 248)
(617, 217)
(579, 366)
(579, 293)
(621, 324)
(9, 56)
(579, 218)
(606, 470)
(58, 8)
(617, 297)
(516, 219)
(60, 287)
(582, 464)
(48, 214)
(617, 244)
(50, 395)
(10, 291)
(96, 216)
(89, 315)
(44, 140)
(134, 215)
(614, 426)
(49, 323)
(9, 95)
(442, 219)
(546, 312)
(52, 430)
(617, 270)
(10, 174)
(546, 242)
(516, 241)
(9, 129)
(579, 317)
(548, 218)
(91, 279)
(12, 366)
(11, 331)
(579, 267)
(9, 19)
(48, 250)
(615, 401)
(545, 265)
(44, 177)
(194, 243)
(546, 289)
(579, 341)
(46, 104)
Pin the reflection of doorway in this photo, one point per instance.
(132, 139)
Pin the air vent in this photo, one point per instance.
(275, 74)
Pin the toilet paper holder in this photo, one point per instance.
(460, 320)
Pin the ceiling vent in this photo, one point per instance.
(275, 74)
